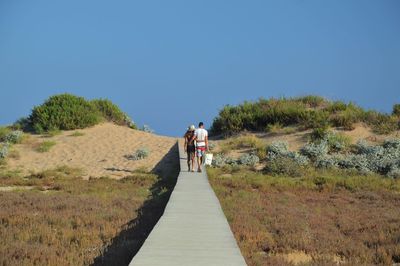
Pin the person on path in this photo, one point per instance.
(201, 137)
(190, 147)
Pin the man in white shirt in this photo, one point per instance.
(201, 137)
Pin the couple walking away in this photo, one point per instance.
(196, 145)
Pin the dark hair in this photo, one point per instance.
(201, 124)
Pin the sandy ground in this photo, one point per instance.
(100, 152)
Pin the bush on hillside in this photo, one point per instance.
(284, 166)
(4, 148)
(23, 124)
(147, 128)
(278, 148)
(305, 112)
(4, 131)
(382, 159)
(110, 111)
(248, 159)
(64, 112)
(13, 137)
(319, 133)
(282, 161)
(312, 101)
(315, 150)
(396, 109)
(385, 124)
(139, 154)
(348, 117)
(68, 112)
(336, 141)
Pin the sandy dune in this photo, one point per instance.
(99, 152)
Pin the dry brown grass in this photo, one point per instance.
(65, 220)
(349, 220)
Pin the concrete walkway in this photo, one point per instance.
(193, 229)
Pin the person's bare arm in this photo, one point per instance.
(193, 138)
(206, 139)
(185, 145)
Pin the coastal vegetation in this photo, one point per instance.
(68, 112)
(308, 112)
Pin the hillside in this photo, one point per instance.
(296, 138)
(100, 151)
(308, 112)
(287, 209)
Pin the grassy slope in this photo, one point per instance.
(348, 218)
(65, 220)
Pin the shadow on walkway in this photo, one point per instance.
(125, 246)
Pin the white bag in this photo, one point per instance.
(208, 160)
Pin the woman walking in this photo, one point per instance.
(190, 148)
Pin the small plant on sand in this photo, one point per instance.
(319, 133)
(129, 122)
(14, 137)
(274, 128)
(248, 159)
(278, 148)
(337, 142)
(45, 146)
(146, 128)
(315, 150)
(284, 166)
(52, 133)
(282, 161)
(77, 134)
(4, 149)
(221, 160)
(139, 154)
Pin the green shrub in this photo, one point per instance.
(347, 117)
(4, 131)
(13, 137)
(64, 112)
(52, 133)
(23, 124)
(4, 149)
(312, 100)
(248, 159)
(396, 109)
(284, 166)
(385, 124)
(304, 112)
(337, 142)
(319, 133)
(110, 111)
(274, 128)
(77, 134)
(336, 106)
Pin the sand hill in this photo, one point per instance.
(101, 151)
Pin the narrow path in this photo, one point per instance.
(193, 229)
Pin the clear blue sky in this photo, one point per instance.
(172, 63)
